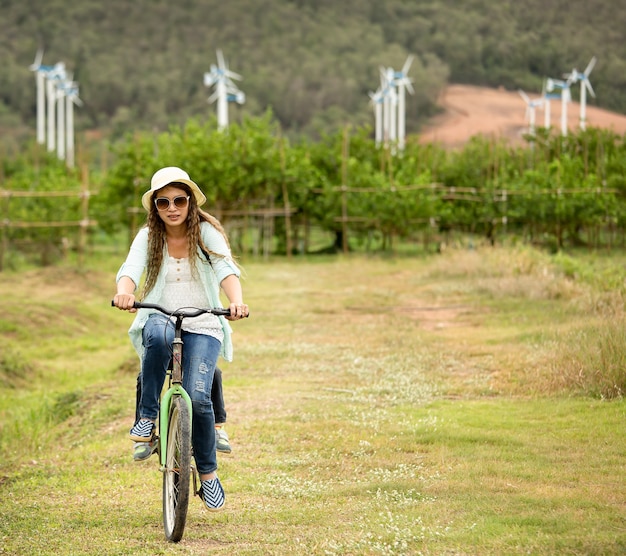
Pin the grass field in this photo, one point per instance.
(463, 403)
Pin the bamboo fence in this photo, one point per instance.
(83, 224)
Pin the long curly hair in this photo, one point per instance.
(157, 237)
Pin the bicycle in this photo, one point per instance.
(173, 440)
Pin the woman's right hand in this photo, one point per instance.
(125, 302)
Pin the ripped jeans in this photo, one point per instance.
(200, 353)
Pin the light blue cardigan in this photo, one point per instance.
(211, 276)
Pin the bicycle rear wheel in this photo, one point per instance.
(177, 470)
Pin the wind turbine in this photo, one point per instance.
(225, 89)
(377, 100)
(403, 83)
(41, 72)
(531, 105)
(390, 101)
(547, 97)
(585, 86)
(71, 99)
(60, 97)
(566, 97)
(55, 75)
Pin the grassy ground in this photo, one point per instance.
(405, 406)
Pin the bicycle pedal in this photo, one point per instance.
(140, 453)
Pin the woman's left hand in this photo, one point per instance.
(238, 311)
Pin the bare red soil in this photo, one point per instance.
(497, 113)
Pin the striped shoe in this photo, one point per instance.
(142, 431)
(212, 494)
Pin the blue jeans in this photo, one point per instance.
(217, 397)
(200, 353)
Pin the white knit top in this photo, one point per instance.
(181, 290)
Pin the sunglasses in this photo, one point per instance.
(163, 203)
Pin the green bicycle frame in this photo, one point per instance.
(175, 389)
(164, 415)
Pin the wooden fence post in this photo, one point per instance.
(84, 223)
(286, 201)
(4, 244)
(344, 188)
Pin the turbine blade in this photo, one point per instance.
(407, 64)
(589, 88)
(383, 79)
(232, 74)
(38, 58)
(220, 59)
(571, 78)
(524, 96)
(590, 66)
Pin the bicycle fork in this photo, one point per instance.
(175, 389)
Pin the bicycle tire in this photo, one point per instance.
(177, 472)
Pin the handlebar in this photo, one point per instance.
(187, 312)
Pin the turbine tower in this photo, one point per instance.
(60, 106)
(403, 83)
(71, 99)
(225, 89)
(547, 97)
(574, 77)
(390, 102)
(531, 105)
(377, 100)
(566, 97)
(41, 73)
(54, 76)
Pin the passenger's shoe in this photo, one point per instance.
(221, 440)
(212, 494)
(143, 450)
(142, 431)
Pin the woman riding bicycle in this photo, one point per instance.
(186, 257)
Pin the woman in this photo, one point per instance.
(186, 257)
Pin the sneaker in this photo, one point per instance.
(143, 450)
(221, 440)
(212, 494)
(142, 431)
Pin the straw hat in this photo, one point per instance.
(168, 175)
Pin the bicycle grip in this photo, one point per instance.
(135, 304)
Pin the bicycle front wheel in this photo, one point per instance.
(177, 470)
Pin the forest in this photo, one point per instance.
(277, 196)
(311, 63)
